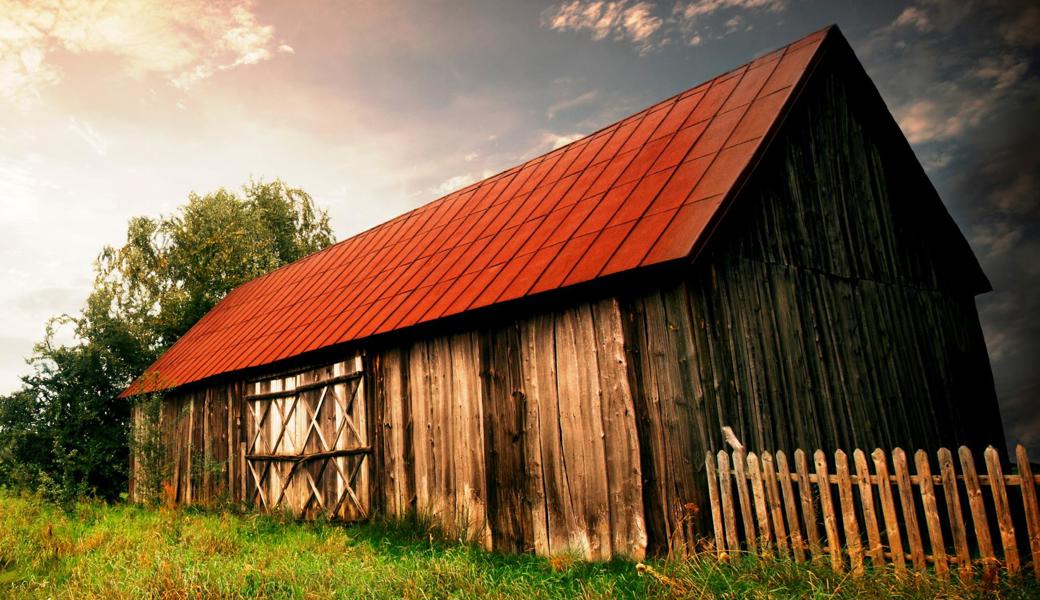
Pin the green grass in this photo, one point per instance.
(121, 551)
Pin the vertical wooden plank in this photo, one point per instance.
(649, 427)
(536, 489)
(188, 491)
(1000, 502)
(955, 516)
(540, 344)
(422, 425)
(242, 470)
(504, 440)
(761, 512)
(776, 511)
(978, 513)
(684, 408)
(906, 500)
(744, 496)
(791, 506)
(468, 423)
(866, 495)
(931, 514)
(716, 508)
(1025, 473)
(728, 510)
(888, 510)
(812, 531)
(620, 437)
(830, 522)
(581, 431)
(848, 513)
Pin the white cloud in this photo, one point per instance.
(1002, 71)
(555, 140)
(454, 183)
(913, 17)
(924, 121)
(962, 103)
(183, 42)
(581, 100)
(619, 20)
(691, 17)
(639, 23)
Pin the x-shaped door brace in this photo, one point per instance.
(315, 495)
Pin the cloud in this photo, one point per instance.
(997, 238)
(454, 183)
(1001, 71)
(924, 120)
(640, 24)
(1023, 29)
(553, 141)
(691, 12)
(966, 100)
(1021, 197)
(619, 20)
(582, 100)
(693, 18)
(183, 42)
(913, 17)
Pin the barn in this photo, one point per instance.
(540, 360)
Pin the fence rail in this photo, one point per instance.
(939, 513)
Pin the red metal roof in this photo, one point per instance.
(637, 193)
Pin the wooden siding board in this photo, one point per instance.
(621, 442)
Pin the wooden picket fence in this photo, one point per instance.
(769, 517)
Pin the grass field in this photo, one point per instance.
(118, 551)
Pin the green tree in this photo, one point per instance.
(65, 429)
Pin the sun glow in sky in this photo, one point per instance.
(111, 109)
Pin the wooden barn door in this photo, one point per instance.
(307, 443)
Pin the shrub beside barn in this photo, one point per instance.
(542, 359)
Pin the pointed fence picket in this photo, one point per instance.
(891, 516)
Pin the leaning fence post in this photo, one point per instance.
(775, 508)
(744, 496)
(866, 496)
(801, 463)
(713, 499)
(953, 510)
(830, 525)
(848, 512)
(726, 494)
(906, 500)
(978, 513)
(1000, 502)
(888, 509)
(1025, 471)
(797, 544)
(931, 513)
(759, 493)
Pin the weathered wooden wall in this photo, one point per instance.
(834, 308)
(523, 435)
(829, 313)
(204, 438)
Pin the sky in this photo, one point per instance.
(116, 108)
